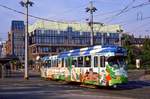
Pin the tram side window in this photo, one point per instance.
(74, 62)
(54, 63)
(87, 61)
(95, 61)
(67, 62)
(62, 61)
(102, 61)
(49, 63)
(59, 63)
(45, 64)
(80, 61)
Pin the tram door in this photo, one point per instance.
(102, 79)
(99, 62)
(68, 66)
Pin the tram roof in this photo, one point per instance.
(93, 50)
(100, 50)
(45, 58)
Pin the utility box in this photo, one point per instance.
(138, 63)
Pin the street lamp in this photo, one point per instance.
(91, 9)
(26, 4)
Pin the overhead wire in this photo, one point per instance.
(133, 7)
(122, 11)
(40, 18)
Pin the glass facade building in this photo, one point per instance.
(17, 39)
(48, 38)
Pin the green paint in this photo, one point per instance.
(62, 77)
(115, 79)
(119, 81)
(111, 72)
(69, 78)
(91, 82)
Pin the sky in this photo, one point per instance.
(132, 15)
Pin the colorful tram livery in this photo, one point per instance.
(98, 65)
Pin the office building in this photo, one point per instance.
(50, 38)
(15, 43)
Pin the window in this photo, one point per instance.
(80, 61)
(54, 63)
(74, 62)
(62, 62)
(49, 63)
(95, 61)
(67, 62)
(116, 61)
(87, 61)
(102, 61)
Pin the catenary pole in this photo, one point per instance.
(91, 9)
(26, 4)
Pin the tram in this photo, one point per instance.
(97, 65)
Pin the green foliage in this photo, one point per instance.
(145, 55)
(129, 48)
(134, 52)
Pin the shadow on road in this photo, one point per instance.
(129, 86)
(133, 85)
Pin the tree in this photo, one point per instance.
(145, 56)
(133, 52)
(129, 48)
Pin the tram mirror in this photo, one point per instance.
(102, 61)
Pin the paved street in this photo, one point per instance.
(35, 88)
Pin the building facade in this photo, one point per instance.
(50, 38)
(1, 46)
(2, 49)
(8, 45)
(15, 43)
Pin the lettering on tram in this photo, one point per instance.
(97, 65)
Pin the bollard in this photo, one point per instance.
(0, 71)
(138, 63)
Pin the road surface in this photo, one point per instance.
(16, 87)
